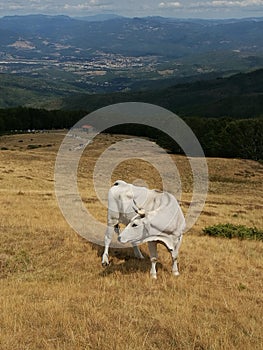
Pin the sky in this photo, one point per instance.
(139, 8)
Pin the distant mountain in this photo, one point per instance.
(133, 36)
(98, 18)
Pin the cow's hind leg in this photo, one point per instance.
(153, 255)
(174, 254)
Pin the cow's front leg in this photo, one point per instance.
(174, 254)
(153, 255)
(108, 237)
(175, 270)
(137, 252)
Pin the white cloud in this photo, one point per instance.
(227, 3)
(171, 4)
(185, 8)
(87, 6)
(242, 3)
(52, 6)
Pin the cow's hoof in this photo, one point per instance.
(154, 276)
(139, 257)
(105, 261)
(176, 273)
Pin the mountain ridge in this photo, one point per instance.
(118, 34)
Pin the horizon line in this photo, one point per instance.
(132, 17)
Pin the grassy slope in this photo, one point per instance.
(44, 91)
(55, 295)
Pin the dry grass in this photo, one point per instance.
(54, 293)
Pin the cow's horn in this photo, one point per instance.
(135, 207)
(141, 212)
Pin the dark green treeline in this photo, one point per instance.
(219, 137)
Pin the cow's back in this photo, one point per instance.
(123, 197)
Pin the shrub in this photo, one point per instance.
(234, 231)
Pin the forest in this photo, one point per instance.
(219, 137)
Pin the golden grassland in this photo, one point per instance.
(54, 294)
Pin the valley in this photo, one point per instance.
(125, 54)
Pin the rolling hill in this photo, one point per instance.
(238, 96)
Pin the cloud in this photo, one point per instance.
(52, 6)
(87, 5)
(171, 4)
(186, 8)
(242, 3)
(226, 3)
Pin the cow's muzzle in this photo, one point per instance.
(121, 240)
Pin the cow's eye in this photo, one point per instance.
(134, 225)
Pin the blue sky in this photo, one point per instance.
(131, 8)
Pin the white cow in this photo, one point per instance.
(151, 216)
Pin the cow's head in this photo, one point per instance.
(137, 230)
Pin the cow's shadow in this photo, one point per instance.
(123, 261)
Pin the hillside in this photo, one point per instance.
(238, 96)
(55, 294)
